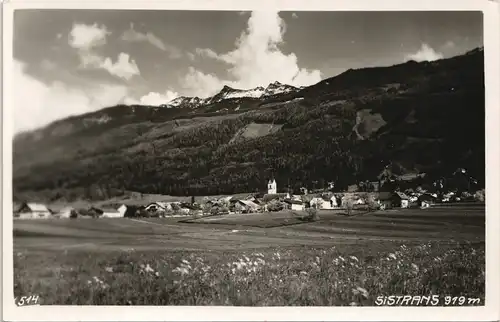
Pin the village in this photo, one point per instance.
(268, 201)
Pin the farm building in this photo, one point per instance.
(335, 201)
(67, 212)
(450, 196)
(131, 210)
(105, 212)
(426, 200)
(226, 199)
(185, 208)
(359, 201)
(385, 200)
(275, 196)
(295, 205)
(29, 210)
(249, 206)
(351, 198)
(401, 199)
(254, 200)
(324, 202)
(111, 213)
(158, 206)
(352, 188)
(393, 199)
(374, 186)
(316, 202)
(122, 210)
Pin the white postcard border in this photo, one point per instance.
(143, 313)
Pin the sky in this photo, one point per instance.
(70, 62)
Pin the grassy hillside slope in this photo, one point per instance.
(421, 116)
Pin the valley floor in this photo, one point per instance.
(257, 259)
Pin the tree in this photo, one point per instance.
(274, 205)
(311, 214)
(480, 195)
(349, 205)
(73, 214)
(372, 204)
(206, 208)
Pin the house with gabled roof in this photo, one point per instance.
(105, 212)
(323, 202)
(401, 199)
(295, 205)
(426, 200)
(67, 212)
(158, 206)
(385, 200)
(250, 206)
(31, 210)
(393, 199)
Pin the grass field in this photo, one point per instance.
(258, 259)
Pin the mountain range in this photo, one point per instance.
(415, 117)
(228, 92)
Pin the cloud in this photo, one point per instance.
(256, 60)
(134, 36)
(84, 38)
(200, 84)
(153, 98)
(36, 104)
(47, 65)
(449, 44)
(425, 53)
(207, 52)
(124, 67)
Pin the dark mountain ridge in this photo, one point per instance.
(422, 117)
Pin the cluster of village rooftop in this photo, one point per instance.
(253, 203)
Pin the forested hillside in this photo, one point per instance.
(419, 116)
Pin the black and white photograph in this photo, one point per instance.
(248, 158)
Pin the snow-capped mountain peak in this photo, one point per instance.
(279, 88)
(228, 92)
(183, 101)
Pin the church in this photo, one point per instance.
(272, 187)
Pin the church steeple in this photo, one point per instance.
(272, 187)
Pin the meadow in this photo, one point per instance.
(165, 262)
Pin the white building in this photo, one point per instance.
(295, 205)
(333, 201)
(122, 210)
(65, 212)
(106, 212)
(272, 187)
(159, 206)
(425, 204)
(111, 213)
(33, 211)
(324, 202)
(250, 205)
(359, 201)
